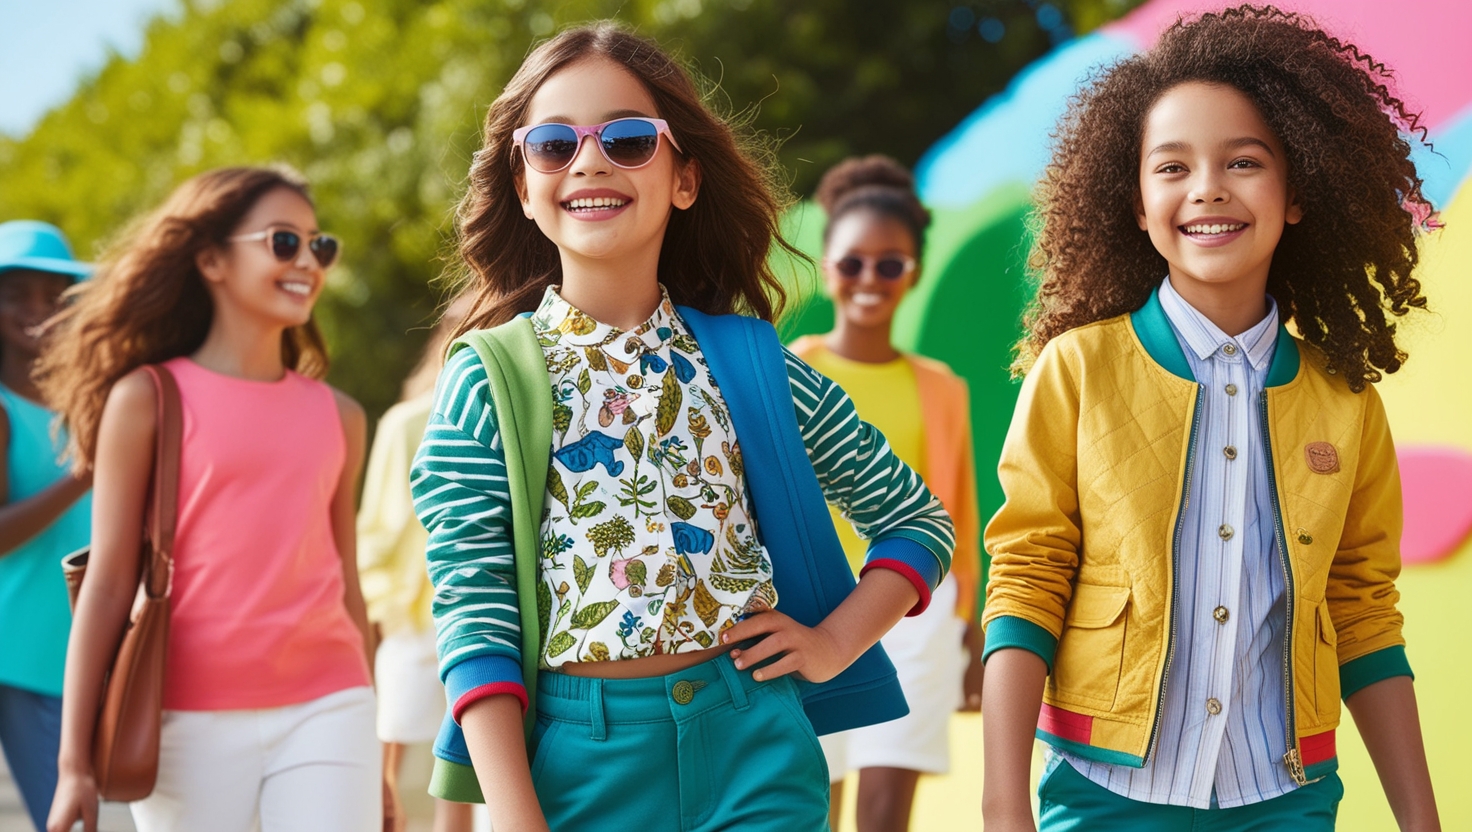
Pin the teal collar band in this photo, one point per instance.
(1155, 333)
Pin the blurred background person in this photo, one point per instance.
(871, 257)
(45, 513)
(396, 588)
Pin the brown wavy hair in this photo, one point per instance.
(1337, 274)
(147, 302)
(714, 256)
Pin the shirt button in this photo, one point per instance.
(1231, 389)
(1221, 615)
(1230, 451)
(1213, 707)
(1304, 537)
(1230, 349)
(1224, 531)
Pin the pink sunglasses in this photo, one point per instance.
(628, 143)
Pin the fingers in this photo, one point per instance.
(790, 663)
(756, 625)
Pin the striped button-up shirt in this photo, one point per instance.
(1223, 727)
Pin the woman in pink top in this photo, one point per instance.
(268, 713)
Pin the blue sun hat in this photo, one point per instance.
(28, 244)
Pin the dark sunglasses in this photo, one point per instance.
(888, 267)
(626, 142)
(286, 244)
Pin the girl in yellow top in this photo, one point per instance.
(1197, 555)
(872, 245)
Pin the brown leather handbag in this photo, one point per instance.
(126, 738)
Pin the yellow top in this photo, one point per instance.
(886, 396)
(391, 541)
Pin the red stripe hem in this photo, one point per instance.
(910, 574)
(1317, 748)
(477, 693)
(1066, 725)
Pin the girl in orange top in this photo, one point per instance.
(872, 246)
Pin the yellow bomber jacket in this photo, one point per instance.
(1094, 472)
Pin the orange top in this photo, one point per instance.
(257, 614)
(950, 469)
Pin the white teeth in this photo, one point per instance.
(34, 331)
(867, 298)
(296, 287)
(1215, 228)
(595, 203)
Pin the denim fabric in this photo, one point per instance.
(30, 732)
(705, 749)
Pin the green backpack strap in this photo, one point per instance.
(521, 392)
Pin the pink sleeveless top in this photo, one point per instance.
(258, 614)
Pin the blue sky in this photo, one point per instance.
(48, 46)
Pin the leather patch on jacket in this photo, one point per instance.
(1322, 458)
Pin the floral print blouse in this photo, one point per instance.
(647, 543)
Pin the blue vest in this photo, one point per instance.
(811, 574)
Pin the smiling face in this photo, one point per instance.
(245, 276)
(593, 210)
(868, 301)
(1214, 192)
(27, 299)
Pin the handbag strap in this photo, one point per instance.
(158, 571)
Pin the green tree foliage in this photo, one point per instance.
(378, 102)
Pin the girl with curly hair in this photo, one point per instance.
(1197, 555)
(267, 709)
(619, 635)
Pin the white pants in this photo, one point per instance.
(411, 700)
(312, 767)
(931, 663)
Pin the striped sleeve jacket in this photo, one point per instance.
(461, 494)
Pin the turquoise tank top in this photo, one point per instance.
(35, 618)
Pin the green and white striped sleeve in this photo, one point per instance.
(462, 497)
(885, 500)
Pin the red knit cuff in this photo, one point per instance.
(478, 693)
(910, 574)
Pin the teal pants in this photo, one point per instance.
(1069, 801)
(705, 749)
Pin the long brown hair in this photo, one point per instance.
(714, 255)
(1336, 274)
(147, 302)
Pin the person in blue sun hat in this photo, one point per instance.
(45, 513)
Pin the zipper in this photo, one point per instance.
(1293, 759)
(1175, 571)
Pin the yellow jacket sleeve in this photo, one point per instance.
(1034, 539)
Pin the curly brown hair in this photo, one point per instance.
(714, 255)
(147, 303)
(1336, 274)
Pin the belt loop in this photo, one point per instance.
(728, 675)
(595, 705)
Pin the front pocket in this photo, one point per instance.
(1326, 666)
(1086, 667)
(542, 735)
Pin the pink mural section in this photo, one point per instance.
(1437, 490)
(1426, 43)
